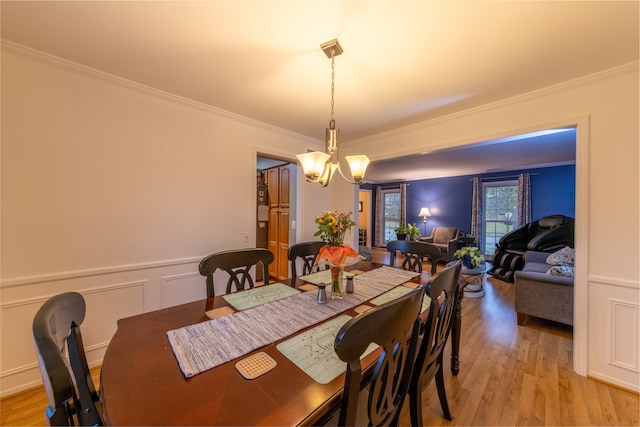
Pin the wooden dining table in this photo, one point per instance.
(142, 384)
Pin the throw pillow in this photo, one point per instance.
(564, 256)
(561, 270)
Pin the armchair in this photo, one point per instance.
(446, 239)
(547, 234)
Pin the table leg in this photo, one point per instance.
(455, 336)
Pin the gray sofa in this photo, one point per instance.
(540, 294)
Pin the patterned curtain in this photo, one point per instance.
(403, 203)
(524, 199)
(379, 220)
(476, 210)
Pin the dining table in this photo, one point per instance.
(234, 360)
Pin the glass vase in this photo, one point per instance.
(336, 282)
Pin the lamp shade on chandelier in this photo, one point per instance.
(321, 167)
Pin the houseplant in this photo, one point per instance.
(332, 226)
(470, 255)
(401, 232)
(413, 231)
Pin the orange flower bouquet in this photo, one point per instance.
(332, 226)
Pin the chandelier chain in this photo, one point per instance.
(333, 68)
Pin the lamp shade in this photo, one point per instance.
(358, 166)
(424, 212)
(313, 164)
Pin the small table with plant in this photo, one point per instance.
(473, 269)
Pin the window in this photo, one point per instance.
(500, 215)
(391, 213)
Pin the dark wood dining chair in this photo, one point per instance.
(393, 326)
(307, 252)
(434, 331)
(237, 263)
(56, 329)
(414, 253)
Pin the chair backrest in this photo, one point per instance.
(307, 252)
(237, 263)
(413, 253)
(56, 326)
(445, 234)
(434, 330)
(393, 326)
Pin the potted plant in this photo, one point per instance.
(471, 257)
(413, 231)
(401, 232)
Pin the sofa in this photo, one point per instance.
(542, 294)
(446, 239)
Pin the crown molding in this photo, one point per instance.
(35, 55)
(549, 90)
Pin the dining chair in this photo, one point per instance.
(307, 252)
(434, 331)
(237, 263)
(414, 253)
(56, 330)
(394, 326)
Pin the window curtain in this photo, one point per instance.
(377, 239)
(403, 203)
(476, 209)
(524, 199)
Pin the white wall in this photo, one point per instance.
(117, 191)
(605, 109)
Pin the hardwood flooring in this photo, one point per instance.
(509, 375)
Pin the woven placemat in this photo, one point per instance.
(307, 287)
(219, 312)
(362, 308)
(255, 365)
(411, 285)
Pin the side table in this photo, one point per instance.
(474, 278)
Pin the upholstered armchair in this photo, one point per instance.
(446, 239)
(548, 234)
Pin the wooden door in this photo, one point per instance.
(274, 247)
(278, 179)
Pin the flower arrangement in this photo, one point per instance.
(470, 255)
(332, 225)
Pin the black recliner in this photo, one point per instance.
(548, 234)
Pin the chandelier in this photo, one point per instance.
(321, 167)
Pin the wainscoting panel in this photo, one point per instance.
(625, 336)
(614, 331)
(111, 294)
(183, 288)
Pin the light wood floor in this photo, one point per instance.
(509, 375)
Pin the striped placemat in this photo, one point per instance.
(205, 345)
(322, 277)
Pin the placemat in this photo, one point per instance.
(312, 351)
(307, 287)
(398, 292)
(323, 277)
(218, 312)
(258, 296)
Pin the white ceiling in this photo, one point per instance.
(404, 61)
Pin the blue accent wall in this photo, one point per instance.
(449, 199)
